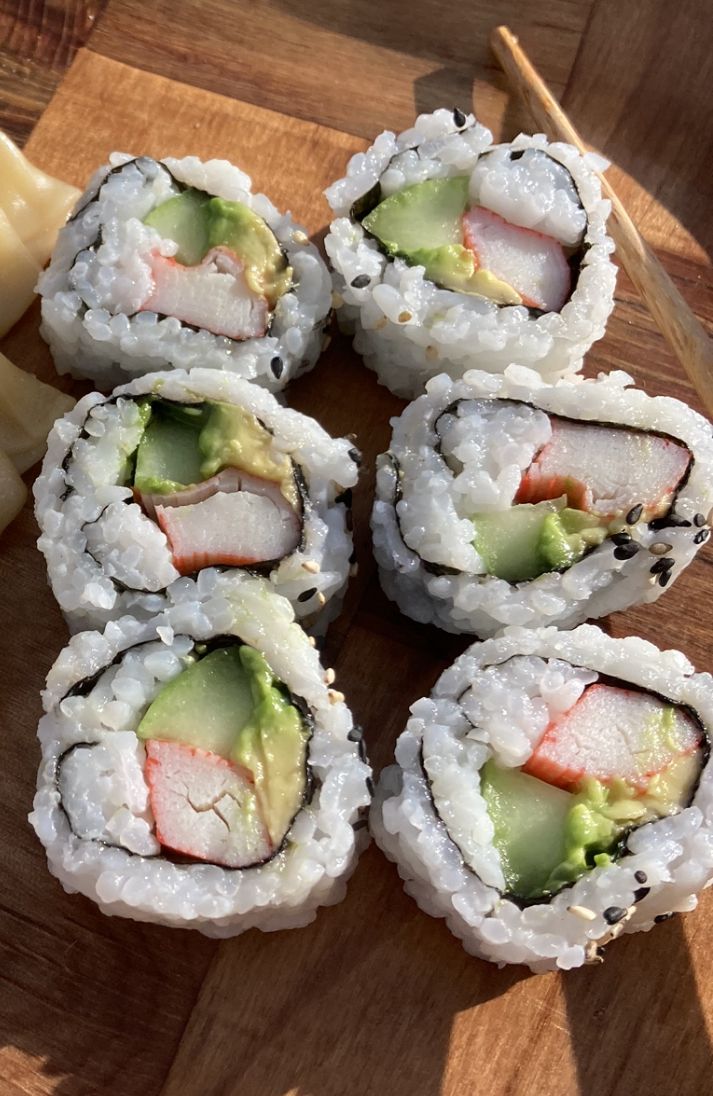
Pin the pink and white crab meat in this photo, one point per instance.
(212, 295)
(232, 519)
(534, 265)
(205, 806)
(614, 733)
(606, 470)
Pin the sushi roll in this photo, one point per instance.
(554, 791)
(506, 500)
(452, 253)
(178, 472)
(177, 263)
(197, 770)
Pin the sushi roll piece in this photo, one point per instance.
(197, 770)
(177, 263)
(176, 473)
(553, 792)
(506, 500)
(451, 253)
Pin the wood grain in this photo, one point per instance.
(677, 323)
(38, 39)
(356, 65)
(374, 998)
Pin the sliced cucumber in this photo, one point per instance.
(205, 706)
(168, 457)
(183, 219)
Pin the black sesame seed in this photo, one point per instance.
(663, 563)
(356, 733)
(360, 282)
(640, 876)
(360, 823)
(664, 578)
(634, 514)
(349, 521)
(277, 365)
(626, 551)
(355, 454)
(307, 594)
(621, 538)
(370, 785)
(353, 556)
(600, 953)
(612, 914)
(702, 536)
(345, 497)
(669, 522)
(641, 893)
(699, 519)
(662, 917)
(459, 117)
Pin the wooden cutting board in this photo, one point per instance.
(375, 998)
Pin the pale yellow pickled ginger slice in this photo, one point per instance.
(36, 204)
(28, 408)
(18, 275)
(12, 491)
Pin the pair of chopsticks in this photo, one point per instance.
(684, 333)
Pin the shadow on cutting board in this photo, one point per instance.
(361, 1003)
(636, 1022)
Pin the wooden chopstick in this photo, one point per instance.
(685, 334)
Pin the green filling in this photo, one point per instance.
(182, 445)
(547, 838)
(183, 219)
(229, 703)
(198, 223)
(168, 458)
(423, 225)
(530, 819)
(127, 468)
(530, 539)
(272, 744)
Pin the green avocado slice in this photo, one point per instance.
(234, 438)
(230, 703)
(236, 226)
(272, 745)
(185, 444)
(197, 223)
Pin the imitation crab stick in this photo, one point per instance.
(613, 734)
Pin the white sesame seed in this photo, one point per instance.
(310, 565)
(583, 912)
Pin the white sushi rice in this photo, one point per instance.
(421, 516)
(106, 557)
(100, 273)
(107, 792)
(509, 706)
(406, 328)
